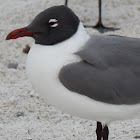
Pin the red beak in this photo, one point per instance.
(20, 33)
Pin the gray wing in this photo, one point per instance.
(109, 72)
(111, 51)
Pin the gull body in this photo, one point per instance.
(43, 67)
(93, 77)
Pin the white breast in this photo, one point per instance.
(43, 66)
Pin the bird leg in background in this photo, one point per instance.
(105, 133)
(99, 131)
(99, 26)
(66, 2)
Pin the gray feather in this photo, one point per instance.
(109, 72)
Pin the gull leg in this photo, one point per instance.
(99, 26)
(105, 133)
(99, 131)
(66, 2)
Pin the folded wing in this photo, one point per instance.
(109, 71)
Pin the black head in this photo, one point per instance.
(49, 27)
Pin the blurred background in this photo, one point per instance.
(23, 114)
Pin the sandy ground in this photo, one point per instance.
(23, 114)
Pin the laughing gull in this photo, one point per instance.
(99, 26)
(95, 77)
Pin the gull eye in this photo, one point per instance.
(53, 23)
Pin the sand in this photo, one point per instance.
(23, 114)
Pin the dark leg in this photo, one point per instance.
(66, 2)
(99, 131)
(99, 23)
(99, 26)
(105, 133)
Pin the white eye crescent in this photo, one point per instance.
(53, 23)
